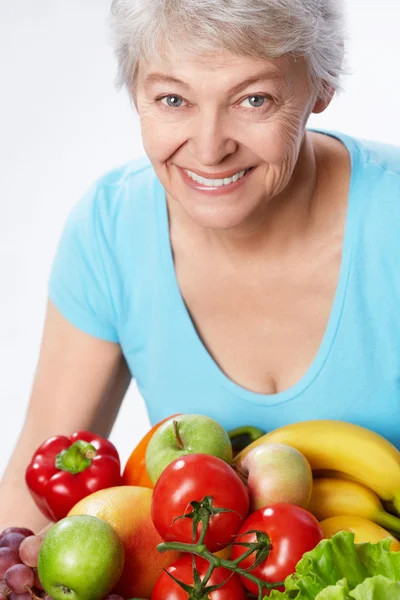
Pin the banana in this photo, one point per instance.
(364, 530)
(359, 453)
(334, 497)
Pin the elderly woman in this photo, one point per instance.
(247, 267)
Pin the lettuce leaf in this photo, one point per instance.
(337, 568)
(377, 588)
(372, 588)
(340, 591)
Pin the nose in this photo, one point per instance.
(210, 139)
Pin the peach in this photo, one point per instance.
(128, 510)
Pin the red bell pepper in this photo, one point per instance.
(64, 470)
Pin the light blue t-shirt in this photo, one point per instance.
(113, 277)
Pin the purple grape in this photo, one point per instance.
(38, 583)
(11, 540)
(2, 597)
(8, 558)
(19, 578)
(24, 530)
(113, 597)
(23, 596)
(29, 550)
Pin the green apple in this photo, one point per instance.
(81, 558)
(186, 434)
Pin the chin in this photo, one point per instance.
(217, 208)
(218, 217)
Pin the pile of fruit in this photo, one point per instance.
(309, 511)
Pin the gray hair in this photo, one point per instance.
(313, 29)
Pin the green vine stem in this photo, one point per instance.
(216, 561)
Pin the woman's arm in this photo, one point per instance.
(79, 384)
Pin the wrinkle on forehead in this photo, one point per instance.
(284, 68)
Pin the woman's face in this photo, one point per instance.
(217, 117)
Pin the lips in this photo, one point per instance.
(216, 189)
(219, 175)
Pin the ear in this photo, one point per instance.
(324, 98)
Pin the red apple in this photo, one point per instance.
(276, 473)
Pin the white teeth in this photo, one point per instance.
(216, 182)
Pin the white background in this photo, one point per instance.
(62, 125)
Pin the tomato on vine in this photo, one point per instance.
(291, 531)
(204, 489)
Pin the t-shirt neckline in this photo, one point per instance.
(210, 367)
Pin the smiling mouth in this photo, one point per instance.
(217, 182)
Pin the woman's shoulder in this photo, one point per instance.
(128, 185)
(120, 194)
(126, 174)
(380, 155)
(372, 157)
(375, 177)
(366, 153)
(378, 176)
(376, 193)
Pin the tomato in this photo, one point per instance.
(135, 469)
(192, 478)
(292, 530)
(167, 589)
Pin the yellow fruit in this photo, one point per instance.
(332, 497)
(364, 530)
(356, 451)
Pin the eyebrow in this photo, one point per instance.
(155, 77)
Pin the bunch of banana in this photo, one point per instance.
(350, 452)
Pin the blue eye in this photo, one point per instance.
(172, 101)
(256, 101)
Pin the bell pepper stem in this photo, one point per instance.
(76, 458)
